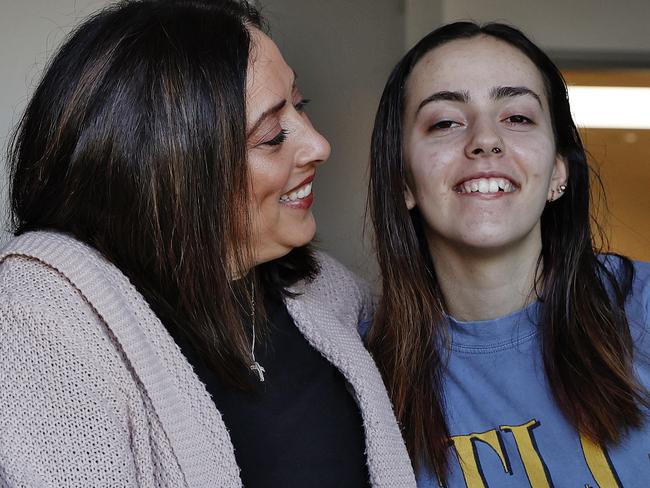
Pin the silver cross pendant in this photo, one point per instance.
(259, 370)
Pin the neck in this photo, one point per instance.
(480, 285)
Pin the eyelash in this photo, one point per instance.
(522, 119)
(282, 135)
(300, 106)
(513, 119)
(438, 125)
(277, 140)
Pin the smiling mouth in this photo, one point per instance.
(299, 193)
(486, 185)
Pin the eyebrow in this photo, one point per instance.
(500, 92)
(497, 93)
(266, 114)
(273, 110)
(444, 96)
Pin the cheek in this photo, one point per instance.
(268, 181)
(537, 155)
(428, 168)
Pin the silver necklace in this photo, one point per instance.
(256, 367)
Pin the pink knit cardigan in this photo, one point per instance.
(95, 393)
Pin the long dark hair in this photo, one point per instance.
(586, 343)
(135, 143)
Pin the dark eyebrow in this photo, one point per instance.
(449, 96)
(274, 109)
(267, 113)
(500, 92)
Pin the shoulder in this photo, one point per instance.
(623, 268)
(332, 271)
(642, 275)
(32, 283)
(44, 312)
(640, 270)
(641, 288)
(633, 276)
(339, 287)
(33, 272)
(637, 305)
(336, 276)
(39, 303)
(64, 380)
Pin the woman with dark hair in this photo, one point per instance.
(514, 353)
(163, 320)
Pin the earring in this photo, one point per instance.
(560, 189)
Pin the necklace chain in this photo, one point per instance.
(255, 366)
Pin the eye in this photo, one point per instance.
(443, 125)
(277, 140)
(518, 119)
(300, 106)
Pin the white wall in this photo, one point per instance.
(420, 18)
(30, 31)
(556, 25)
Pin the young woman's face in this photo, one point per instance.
(479, 146)
(284, 151)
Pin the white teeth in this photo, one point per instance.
(486, 185)
(300, 193)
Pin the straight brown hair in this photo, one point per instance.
(135, 143)
(586, 343)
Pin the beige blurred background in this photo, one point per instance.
(344, 50)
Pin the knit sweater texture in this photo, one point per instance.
(95, 392)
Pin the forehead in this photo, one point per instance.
(268, 74)
(475, 65)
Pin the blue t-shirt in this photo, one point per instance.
(506, 430)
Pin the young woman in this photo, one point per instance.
(515, 355)
(163, 321)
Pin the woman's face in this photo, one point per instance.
(479, 146)
(284, 151)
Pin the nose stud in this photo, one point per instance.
(496, 150)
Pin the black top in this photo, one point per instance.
(301, 426)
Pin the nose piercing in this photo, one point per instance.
(496, 150)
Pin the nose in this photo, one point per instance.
(484, 141)
(314, 148)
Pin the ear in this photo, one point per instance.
(409, 198)
(559, 179)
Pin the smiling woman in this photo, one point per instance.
(503, 337)
(466, 147)
(285, 151)
(163, 319)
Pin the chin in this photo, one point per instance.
(303, 240)
(302, 233)
(491, 242)
(288, 243)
